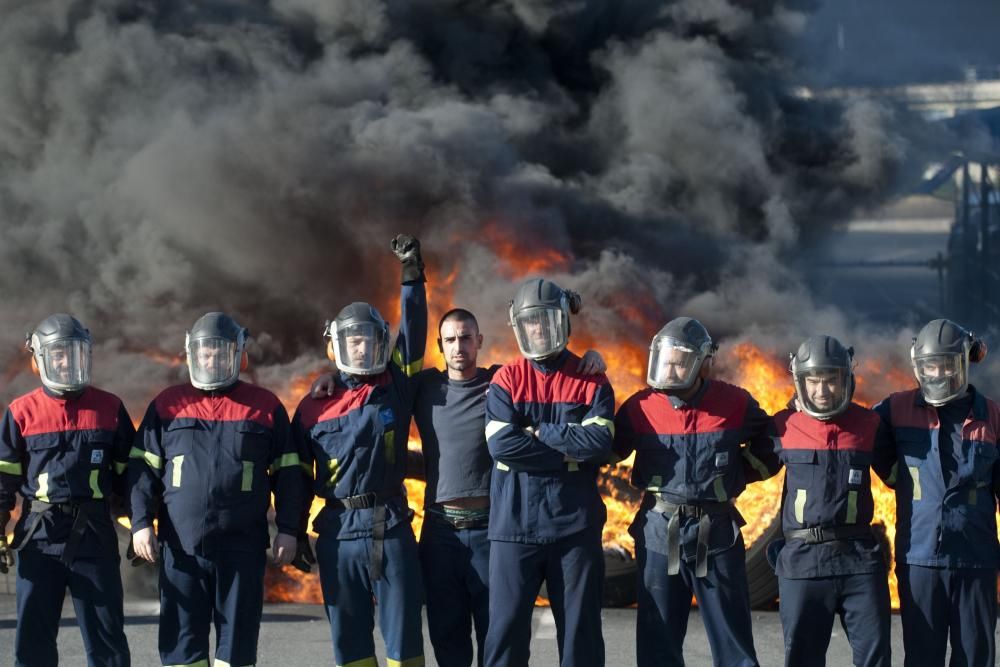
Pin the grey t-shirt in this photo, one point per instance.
(451, 418)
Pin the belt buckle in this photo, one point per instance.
(816, 534)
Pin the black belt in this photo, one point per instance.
(829, 534)
(704, 513)
(374, 500)
(82, 512)
(462, 520)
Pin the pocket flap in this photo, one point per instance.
(798, 455)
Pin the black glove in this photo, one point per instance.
(304, 558)
(6, 554)
(407, 249)
(131, 556)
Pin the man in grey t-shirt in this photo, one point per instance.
(450, 413)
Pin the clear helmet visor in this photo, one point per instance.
(362, 349)
(673, 364)
(823, 392)
(65, 365)
(541, 332)
(213, 362)
(942, 377)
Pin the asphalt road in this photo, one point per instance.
(297, 635)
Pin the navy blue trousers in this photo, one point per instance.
(456, 566)
(349, 595)
(573, 572)
(227, 588)
(938, 604)
(665, 605)
(95, 585)
(808, 607)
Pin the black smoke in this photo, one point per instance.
(159, 160)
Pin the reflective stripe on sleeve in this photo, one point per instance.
(756, 463)
(915, 475)
(286, 461)
(120, 467)
(43, 487)
(600, 421)
(11, 467)
(494, 427)
(503, 466)
(409, 369)
(389, 446)
(95, 489)
(150, 458)
(893, 474)
(852, 507)
(720, 489)
(800, 506)
(247, 484)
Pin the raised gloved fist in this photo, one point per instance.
(304, 558)
(406, 247)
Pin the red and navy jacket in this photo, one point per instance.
(549, 428)
(827, 484)
(701, 451)
(355, 440)
(210, 461)
(943, 518)
(65, 450)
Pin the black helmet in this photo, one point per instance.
(940, 354)
(823, 373)
(539, 314)
(214, 348)
(60, 346)
(359, 338)
(677, 353)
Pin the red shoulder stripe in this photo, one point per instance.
(245, 402)
(905, 413)
(94, 410)
(312, 411)
(527, 384)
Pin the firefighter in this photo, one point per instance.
(207, 458)
(356, 440)
(830, 562)
(942, 449)
(688, 433)
(64, 447)
(549, 428)
(449, 410)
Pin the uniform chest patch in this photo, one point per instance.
(722, 459)
(97, 456)
(854, 476)
(385, 414)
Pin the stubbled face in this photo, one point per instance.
(209, 359)
(824, 390)
(460, 344)
(538, 334)
(60, 364)
(674, 365)
(938, 367)
(359, 350)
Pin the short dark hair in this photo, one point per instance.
(460, 315)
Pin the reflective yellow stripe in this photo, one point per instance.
(973, 497)
(409, 662)
(720, 489)
(286, 461)
(247, 476)
(756, 463)
(364, 662)
(175, 478)
(151, 459)
(389, 443)
(200, 663)
(334, 468)
(655, 482)
(223, 663)
(800, 505)
(893, 475)
(852, 507)
(915, 475)
(493, 427)
(43, 487)
(502, 466)
(10, 468)
(307, 468)
(409, 369)
(120, 467)
(95, 490)
(600, 421)
(572, 466)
